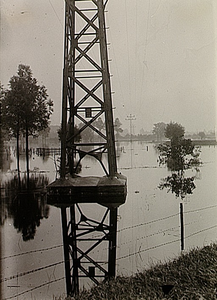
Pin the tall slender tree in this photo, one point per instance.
(26, 108)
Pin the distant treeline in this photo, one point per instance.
(51, 139)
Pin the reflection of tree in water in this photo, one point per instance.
(27, 207)
(1, 153)
(3, 208)
(179, 156)
(5, 159)
(178, 184)
(119, 150)
(4, 166)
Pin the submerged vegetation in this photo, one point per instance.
(179, 155)
(191, 276)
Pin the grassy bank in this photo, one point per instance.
(190, 276)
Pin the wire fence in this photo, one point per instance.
(35, 288)
(137, 252)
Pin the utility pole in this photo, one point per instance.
(86, 98)
(131, 118)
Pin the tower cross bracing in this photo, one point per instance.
(86, 100)
(86, 86)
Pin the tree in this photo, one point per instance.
(174, 131)
(1, 97)
(69, 134)
(117, 126)
(87, 135)
(44, 135)
(179, 155)
(4, 134)
(26, 107)
(99, 124)
(202, 135)
(159, 131)
(1, 138)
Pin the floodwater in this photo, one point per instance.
(148, 223)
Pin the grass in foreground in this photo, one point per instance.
(190, 276)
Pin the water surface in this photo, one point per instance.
(148, 223)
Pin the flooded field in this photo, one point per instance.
(148, 223)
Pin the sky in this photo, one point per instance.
(161, 52)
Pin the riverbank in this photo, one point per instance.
(191, 276)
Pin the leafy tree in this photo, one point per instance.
(174, 131)
(70, 133)
(159, 130)
(26, 107)
(87, 135)
(99, 124)
(4, 134)
(202, 135)
(117, 126)
(179, 155)
(1, 137)
(44, 135)
(1, 97)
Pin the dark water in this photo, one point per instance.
(148, 224)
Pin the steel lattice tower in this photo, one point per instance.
(86, 83)
(87, 101)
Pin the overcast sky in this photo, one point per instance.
(162, 52)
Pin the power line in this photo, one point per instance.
(145, 53)
(56, 14)
(117, 68)
(128, 52)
